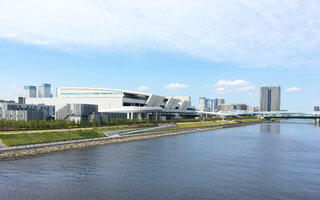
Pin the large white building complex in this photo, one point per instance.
(132, 104)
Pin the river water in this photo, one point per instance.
(263, 161)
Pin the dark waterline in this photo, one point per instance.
(264, 161)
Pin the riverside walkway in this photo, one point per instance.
(124, 135)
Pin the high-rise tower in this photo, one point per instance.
(44, 91)
(30, 91)
(270, 98)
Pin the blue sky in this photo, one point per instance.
(199, 48)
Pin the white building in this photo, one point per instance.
(134, 104)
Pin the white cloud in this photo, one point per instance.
(224, 83)
(247, 88)
(175, 86)
(143, 88)
(225, 86)
(252, 33)
(293, 89)
(220, 89)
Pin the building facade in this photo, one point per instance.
(133, 104)
(316, 108)
(206, 104)
(218, 102)
(30, 91)
(232, 107)
(270, 98)
(18, 112)
(44, 91)
(76, 112)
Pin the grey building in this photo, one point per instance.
(206, 104)
(20, 100)
(232, 107)
(316, 108)
(30, 91)
(209, 105)
(14, 111)
(270, 98)
(44, 91)
(76, 112)
(218, 102)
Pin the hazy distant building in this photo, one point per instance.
(270, 98)
(209, 105)
(217, 102)
(316, 108)
(20, 100)
(232, 107)
(30, 91)
(44, 91)
(206, 104)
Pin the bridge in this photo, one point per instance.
(271, 115)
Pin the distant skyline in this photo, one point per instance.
(204, 48)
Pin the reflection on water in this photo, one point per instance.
(232, 163)
(270, 128)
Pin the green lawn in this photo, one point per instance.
(250, 120)
(203, 124)
(34, 138)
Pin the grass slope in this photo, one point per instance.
(34, 138)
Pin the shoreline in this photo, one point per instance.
(23, 153)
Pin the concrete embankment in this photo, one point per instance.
(37, 149)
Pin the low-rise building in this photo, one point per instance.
(232, 107)
(10, 110)
(76, 112)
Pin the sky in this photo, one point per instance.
(216, 49)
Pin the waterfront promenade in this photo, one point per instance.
(34, 149)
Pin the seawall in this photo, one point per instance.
(12, 154)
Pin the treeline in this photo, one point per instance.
(64, 124)
(36, 124)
